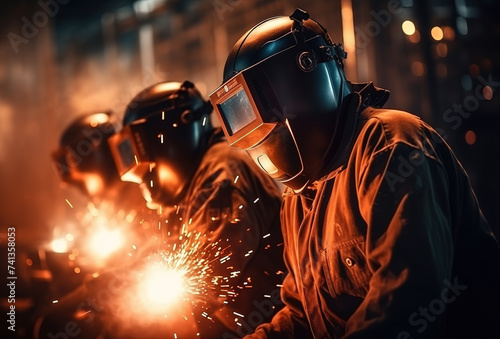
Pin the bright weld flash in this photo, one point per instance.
(60, 245)
(163, 286)
(105, 242)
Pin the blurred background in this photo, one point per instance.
(62, 58)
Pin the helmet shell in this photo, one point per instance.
(83, 158)
(176, 118)
(302, 72)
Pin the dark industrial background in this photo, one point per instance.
(439, 59)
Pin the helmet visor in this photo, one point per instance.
(129, 152)
(244, 117)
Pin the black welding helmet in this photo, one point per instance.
(282, 93)
(83, 158)
(165, 133)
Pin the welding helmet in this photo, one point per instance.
(281, 97)
(165, 132)
(83, 158)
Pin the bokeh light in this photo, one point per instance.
(104, 242)
(487, 92)
(59, 245)
(437, 33)
(417, 68)
(442, 50)
(408, 27)
(470, 137)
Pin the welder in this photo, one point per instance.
(83, 160)
(181, 162)
(384, 237)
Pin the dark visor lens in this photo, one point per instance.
(126, 153)
(237, 112)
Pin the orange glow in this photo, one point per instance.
(349, 37)
(29, 262)
(487, 92)
(94, 184)
(167, 177)
(470, 137)
(105, 242)
(162, 286)
(59, 245)
(83, 314)
(437, 33)
(442, 49)
(418, 68)
(415, 37)
(449, 33)
(99, 118)
(168, 86)
(474, 70)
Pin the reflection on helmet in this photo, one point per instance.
(166, 129)
(83, 158)
(282, 96)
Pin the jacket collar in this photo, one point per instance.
(363, 95)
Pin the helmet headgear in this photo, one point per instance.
(282, 95)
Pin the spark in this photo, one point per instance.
(239, 315)
(255, 201)
(240, 207)
(236, 179)
(268, 234)
(69, 203)
(162, 115)
(204, 121)
(182, 272)
(55, 301)
(136, 161)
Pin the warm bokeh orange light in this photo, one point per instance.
(470, 137)
(418, 68)
(437, 33)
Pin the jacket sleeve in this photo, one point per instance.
(230, 205)
(290, 321)
(403, 196)
(233, 208)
